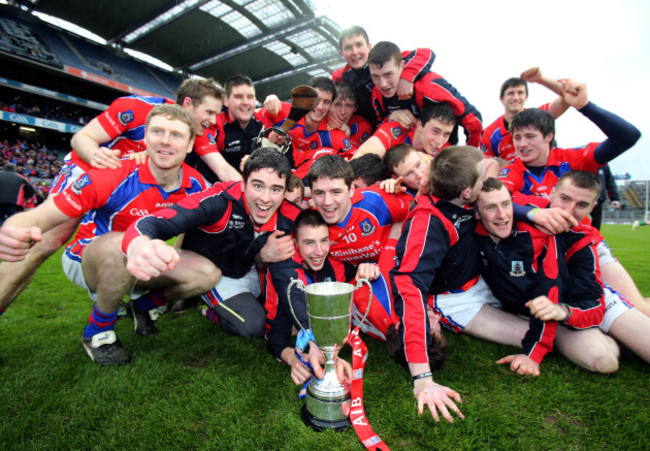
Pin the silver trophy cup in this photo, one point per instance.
(329, 306)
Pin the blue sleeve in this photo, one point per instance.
(621, 135)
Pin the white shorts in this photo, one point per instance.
(71, 264)
(605, 254)
(615, 306)
(250, 283)
(458, 309)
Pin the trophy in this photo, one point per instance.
(329, 306)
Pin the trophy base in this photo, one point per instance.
(319, 424)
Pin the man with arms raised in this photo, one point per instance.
(111, 200)
(497, 140)
(538, 166)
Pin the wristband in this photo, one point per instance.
(568, 313)
(421, 376)
(529, 215)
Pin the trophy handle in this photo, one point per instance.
(359, 283)
(301, 285)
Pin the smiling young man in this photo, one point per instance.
(236, 226)
(577, 192)
(552, 279)
(354, 47)
(311, 264)
(342, 117)
(110, 200)
(386, 66)
(311, 136)
(235, 130)
(539, 166)
(433, 128)
(117, 132)
(496, 140)
(364, 225)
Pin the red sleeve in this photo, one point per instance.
(390, 134)
(337, 75)
(418, 63)
(426, 241)
(581, 158)
(91, 190)
(586, 299)
(119, 117)
(269, 120)
(360, 130)
(434, 89)
(207, 143)
(512, 176)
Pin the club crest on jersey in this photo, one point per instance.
(82, 181)
(313, 145)
(366, 227)
(347, 144)
(213, 138)
(504, 172)
(517, 269)
(396, 132)
(125, 117)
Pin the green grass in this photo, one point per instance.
(194, 387)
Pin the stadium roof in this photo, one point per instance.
(278, 43)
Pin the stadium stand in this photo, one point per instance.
(19, 39)
(76, 55)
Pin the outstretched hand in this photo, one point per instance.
(438, 398)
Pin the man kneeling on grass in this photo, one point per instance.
(111, 199)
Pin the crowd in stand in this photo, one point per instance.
(45, 112)
(34, 161)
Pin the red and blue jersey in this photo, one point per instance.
(519, 178)
(391, 133)
(360, 130)
(124, 121)
(496, 140)
(112, 199)
(361, 236)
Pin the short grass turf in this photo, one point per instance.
(194, 387)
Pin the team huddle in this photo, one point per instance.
(492, 238)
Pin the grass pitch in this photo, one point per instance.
(194, 387)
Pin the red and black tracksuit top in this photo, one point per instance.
(217, 226)
(529, 263)
(436, 254)
(278, 314)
